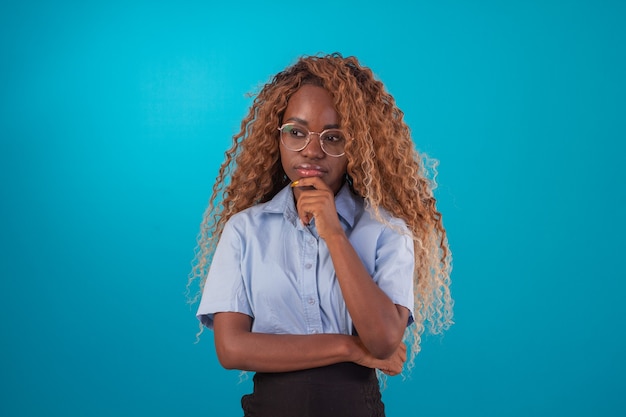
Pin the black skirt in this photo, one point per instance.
(342, 390)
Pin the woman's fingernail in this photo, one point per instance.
(295, 183)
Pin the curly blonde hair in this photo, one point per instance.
(383, 168)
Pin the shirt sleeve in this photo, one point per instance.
(224, 290)
(395, 264)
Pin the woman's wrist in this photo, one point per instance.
(355, 350)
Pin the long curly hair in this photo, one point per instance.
(384, 168)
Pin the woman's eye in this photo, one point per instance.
(333, 137)
(297, 132)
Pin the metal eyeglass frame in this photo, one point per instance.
(308, 138)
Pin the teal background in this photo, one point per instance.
(114, 117)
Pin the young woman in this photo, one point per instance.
(322, 249)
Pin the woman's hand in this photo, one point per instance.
(391, 366)
(316, 200)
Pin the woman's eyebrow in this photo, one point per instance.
(305, 123)
(298, 120)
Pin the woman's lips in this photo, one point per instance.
(309, 171)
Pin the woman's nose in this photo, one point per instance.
(314, 147)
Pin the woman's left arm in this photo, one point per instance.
(379, 322)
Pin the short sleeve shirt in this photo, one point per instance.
(278, 271)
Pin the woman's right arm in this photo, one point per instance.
(239, 348)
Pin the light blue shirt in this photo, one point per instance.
(271, 267)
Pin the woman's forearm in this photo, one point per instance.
(238, 348)
(379, 322)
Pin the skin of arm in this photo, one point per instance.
(239, 348)
(379, 322)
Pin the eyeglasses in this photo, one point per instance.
(295, 138)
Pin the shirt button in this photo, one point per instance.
(311, 301)
(308, 266)
(315, 331)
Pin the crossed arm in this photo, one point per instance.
(238, 348)
(379, 322)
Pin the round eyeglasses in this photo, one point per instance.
(296, 137)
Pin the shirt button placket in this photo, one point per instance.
(309, 286)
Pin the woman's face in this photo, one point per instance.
(312, 108)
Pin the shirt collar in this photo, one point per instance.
(283, 202)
